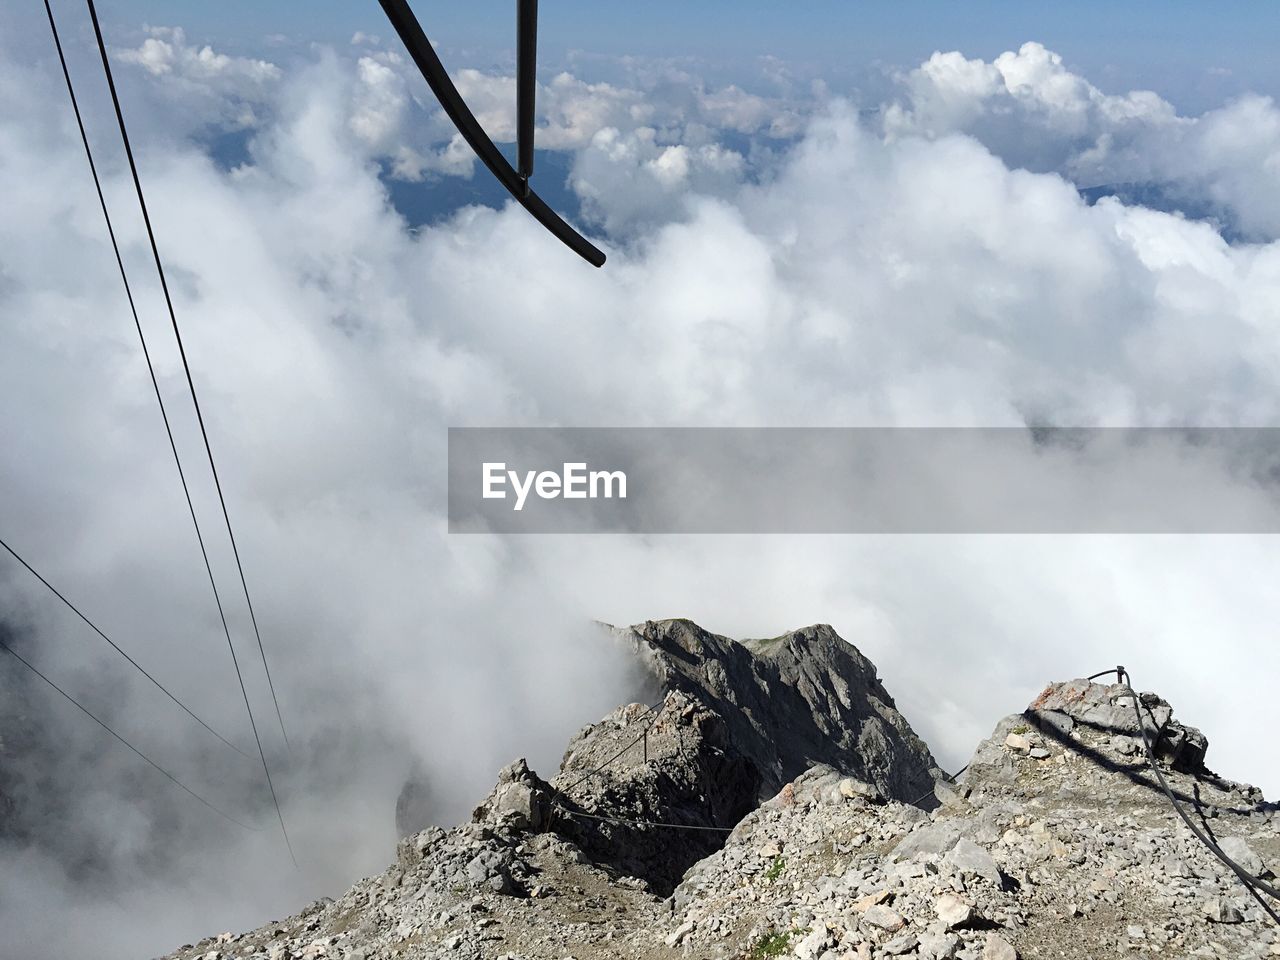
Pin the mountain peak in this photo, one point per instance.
(761, 804)
(792, 701)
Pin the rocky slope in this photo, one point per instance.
(1054, 844)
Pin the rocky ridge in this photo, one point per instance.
(1055, 843)
(791, 701)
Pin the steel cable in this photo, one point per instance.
(137, 666)
(164, 286)
(26, 663)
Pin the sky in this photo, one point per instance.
(1194, 51)
(988, 220)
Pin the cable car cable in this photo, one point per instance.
(26, 663)
(146, 353)
(164, 286)
(137, 666)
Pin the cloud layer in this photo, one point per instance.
(1032, 111)
(773, 261)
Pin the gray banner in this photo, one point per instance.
(866, 480)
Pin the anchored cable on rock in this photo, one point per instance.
(1118, 671)
(1255, 885)
(642, 823)
(643, 736)
(950, 778)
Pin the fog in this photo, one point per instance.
(895, 263)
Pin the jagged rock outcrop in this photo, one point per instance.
(789, 702)
(1084, 739)
(738, 720)
(675, 766)
(520, 801)
(1054, 844)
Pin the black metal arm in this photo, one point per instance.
(419, 47)
(526, 85)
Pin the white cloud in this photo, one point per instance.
(913, 278)
(166, 53)
(397, 122)
(1031, 87)
(222, 89)
(1026, 106)
(572, 112)
(1032, 111)
(631, 181)
(380, 101)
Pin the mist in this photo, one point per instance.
(852, 267)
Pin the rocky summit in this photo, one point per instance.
(770, 801)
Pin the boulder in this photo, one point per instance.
(971, 859)
(1238, 849)
(520, 799)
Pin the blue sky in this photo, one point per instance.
(1178, 47)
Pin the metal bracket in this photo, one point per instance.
(515, 181)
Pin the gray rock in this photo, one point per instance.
(791, 701)
(852, 789)
(676, 936)
(1182, 747)
(998, 948)
(1018, 743)
(948, 795)
(519, 798)
(813, 944)
(694, 776)
(969, 858)
(1238, 849)
(939, 946)
(930, 838)
(952, 911)
(1125, 746)
(904, 943)
(1055, 722)
(502, 884)
(1222, 910)
(886, 918)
